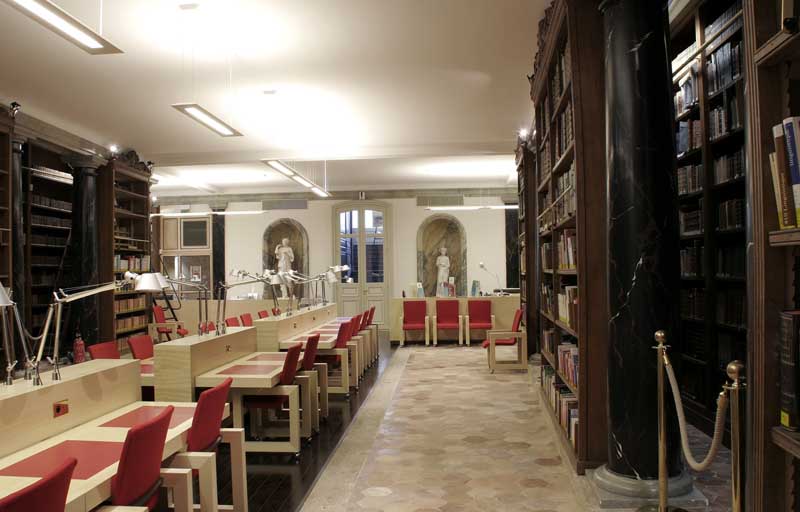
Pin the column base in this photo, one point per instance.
(615, 491)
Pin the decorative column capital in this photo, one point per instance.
(91, 162)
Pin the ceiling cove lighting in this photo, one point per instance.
(294, 175)
(62, 23)
(207, 119)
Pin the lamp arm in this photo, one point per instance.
(64, 297)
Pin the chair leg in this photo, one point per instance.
(235, 438)
(179, 481)
(206, 465)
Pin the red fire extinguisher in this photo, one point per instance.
(78, 349)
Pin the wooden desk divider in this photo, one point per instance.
(276, 328)
(89, 390)
(178, 362)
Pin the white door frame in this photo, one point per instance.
(388, 237)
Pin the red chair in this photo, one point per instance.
(138, 477)
(494, 339)
(479, 317)
(415, 318)
(371, 316)
(263, 314)
(342, 338)
(247, 320)
(446, 317)
(106, 350)
(276, 311)
(165, 328)
(310, 353)
(277, 402)
(46, 494)
(141, 346)
(375, 344)
(209, 327)
(204, 436)
(232, 322)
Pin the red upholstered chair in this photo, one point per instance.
(276, 311)
(374, 331)
(247, 319)
(209, 327)
(138, 475)
(446, 317)
(263, 314)
(232, 322)
(514, 337)
(46, 494)
(164, 328)
(106, 350)
(141, 346)
(204, 435)
(479, 317)
(310, 353)
(342, 337)
(371, 315)
(415, 318)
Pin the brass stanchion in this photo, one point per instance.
(735, 371)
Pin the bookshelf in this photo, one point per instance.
(5, 208)
(771, 57)
(526, 177)
(568, 144)
(709, 89)
(124, 190)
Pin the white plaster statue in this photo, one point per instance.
(443, 266)
(285, 256)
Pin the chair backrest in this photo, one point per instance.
(480, 311)
(247, 319)
(310, 353)
(414, 311)
(47, 493)
(232, 322)
(276, 311)
(139, 470)
(517, 321)
(364, 320)
(290, 364)
(141, 346)
(371, 315)
(207, 419)
(355, 325)
(447, 310)
(106, 350)
(263, 314)
(211, 326)
(343, 336)
(158, 314)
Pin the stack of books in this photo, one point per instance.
(568, 306)
(567, 249)
(690, 179)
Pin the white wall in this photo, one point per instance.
(485, 231)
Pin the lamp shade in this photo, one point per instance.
(149, 282)
(330, 276)
(275, 279)
(5, 300)
(162, 280)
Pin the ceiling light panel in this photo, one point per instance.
(62, 23)
(207, 119)
(297, 177)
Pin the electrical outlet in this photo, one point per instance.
(60, 408)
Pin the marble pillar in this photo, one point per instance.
(218, 249)
(643, 242)
(18, 259)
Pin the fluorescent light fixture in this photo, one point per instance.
(207, 119)
(62, 23)
(301, 180)
(206, 214)
(472, 208)
(504, 207)
(321, 193)
(279, 167)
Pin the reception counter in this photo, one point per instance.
(502, 307)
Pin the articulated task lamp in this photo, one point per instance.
(156, 282)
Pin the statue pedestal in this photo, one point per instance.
(615, 492)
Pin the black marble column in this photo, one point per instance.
(18, 260)
(643, 237)
(218, 248)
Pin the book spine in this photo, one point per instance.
(784, 181)
(788, 370)
(791, 130)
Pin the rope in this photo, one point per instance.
(719, 424)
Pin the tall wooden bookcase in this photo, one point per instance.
(526, 177)
(772, 56)
(123, 188)
(710, 111)
(5, 207)
(569, 189)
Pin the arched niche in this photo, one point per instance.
(437, 231)
(298, 240)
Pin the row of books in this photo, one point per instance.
(563, 402)
(732, 308)
(561, 74)
(545, 163)
(724, 66)
(44, 259)
(785, 170)
(729, 167)
(46, 220)
(692, 260)
(51, 202)
(731, 262)
(130, 322)
(691, 220)
(565, 131)
(568, 306)
(567, 249)
(730, 214)
(724, 118)
(693, 303)
(41, 239)
(43, 278)
(690, 136)
(690, 179)
(547, 255)
(121, 305)
(789, 357)
(686, 97)
(549, 339)
(714, 27)
(683, 56)
(568, 362)
(547, 297)
(136, 263)
(565, 181)
(566, 206)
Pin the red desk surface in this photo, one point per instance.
(250, 369)
(269, 357)
(93, 457)
(146, 368)
(145, 413)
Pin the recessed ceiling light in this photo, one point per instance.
(207, 119)
(301, 180)
(270, 92)
(279, 167)
(62, 23)
(188, 6)
(113, 148)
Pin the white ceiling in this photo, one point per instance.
(346, 80)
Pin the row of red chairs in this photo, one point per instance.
(166, 329)
(138, 478)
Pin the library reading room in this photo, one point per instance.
(400, 255)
